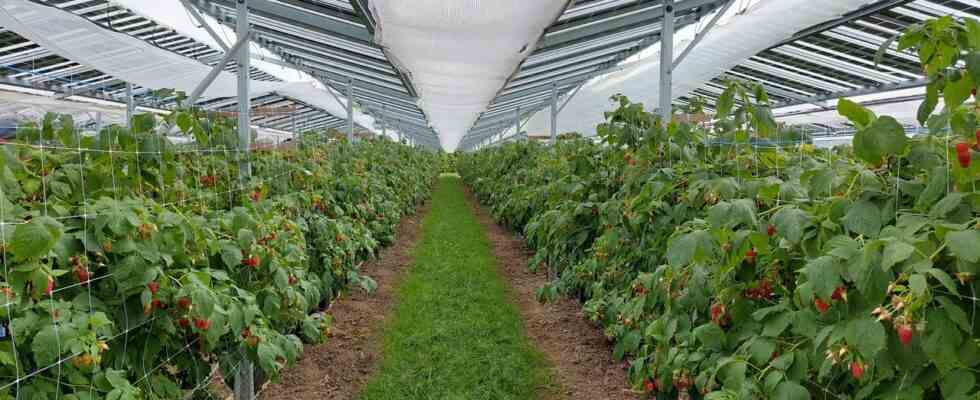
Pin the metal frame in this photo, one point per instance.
(24, 63)
(835, 58)
(589, 39)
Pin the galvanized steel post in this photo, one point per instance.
(667, 62)
(350, 110)
(554, 112)
(244, 100)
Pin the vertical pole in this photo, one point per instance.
(130, 106)
(350, 110)
(517, 122)
(554, 112)
(384, 125)
(244, 100)
(243, 381)
(667, 62)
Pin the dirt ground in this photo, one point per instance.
(578, 352)
(337, 369)
(580, 356)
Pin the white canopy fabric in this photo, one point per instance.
(460, 53)
(138, 62)
(767, 23)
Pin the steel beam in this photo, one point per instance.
(667, 62)
(130, 106)
(244, 100)
(235, 51)
(554, 112)
(306, 15)
(704, 32)
(605, 24)
(857, 92)
(880, 6)
(204, 24)
(350, 110)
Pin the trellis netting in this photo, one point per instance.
(135, 61)
(460, 53)
(763, 25)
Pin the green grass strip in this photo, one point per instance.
(454, 334)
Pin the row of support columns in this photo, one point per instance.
(667, 66)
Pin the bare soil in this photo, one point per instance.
(577, 350)
(339, 368)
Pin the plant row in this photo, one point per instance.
(724, 265)
(135, 268)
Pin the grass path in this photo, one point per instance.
(454, 334)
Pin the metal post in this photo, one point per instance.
(292, 118)
(384, 125)
(667, 62)
(244, 100)
(517, 121)
(554, 112)
(130, 106)
(350, 110)
(244, 389)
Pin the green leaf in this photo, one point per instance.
(864, 217)
(824, 276)
(918, 284)
(946, 205)
(267, 354)
(928, 105)
(184, 122)
(231, 254)
(45, 345)
(775, 326)
(246, 238)
(143, 123)
(681, 250)
(973, 65)
(934, 189)
(955, 93)
(958, 383)
(942, 340)
(632, 340)
(725, 102)
(790, 222)
(884, 137)
(791, 391)
(866, 335)
(35, 238)
(895, 252)
(711, 336)
(965, 244)
(944, 279)
(858, 115)
(733, 374)
(955, 313)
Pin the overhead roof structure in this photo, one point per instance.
(836, 58)
(333, 41)
(587, 40)
(29, 64)
(340, 43)
(805, 71)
